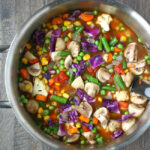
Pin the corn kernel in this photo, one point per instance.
(67, 23)
(54, 103)
(86, 57)
(43, 72)
(52, 76)
(40, 110)
(69, 35)
(75, 60)
(123, 38)
(24, 60)
(39, 53)
(126, 70)
(70, 26)
(27, 86)
(40, 76)
(46, 118)
(62, 91)
(65, 95)
(55, 27)
(77, 23)
(78, 125)
(47, 105)
(100, 99)
(59, 94)
(44, 61)
(28, 46)
(37, 47)
(45, 80)
(57, 84)
(55, 111)
(89, 22)
(39, 116)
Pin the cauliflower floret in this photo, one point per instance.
(40, 87)
(104, 21)
(122, 95)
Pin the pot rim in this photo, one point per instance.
(23, 121)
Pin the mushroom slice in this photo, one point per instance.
(71, 138)
(74, 47)
(60, 44)
(54, 56)
(29, 56)
(32, 106)
(49, 34)
(78, 83)
(114, 125)
(34, 69)
(92, 89)
(136, 109)
(103, 75)
(89, 136)
(26, 86)
(40, 87)
(127, 124)
(84, 108)
(138, 99)
(122, 95)
(131, 52)
(68, 61)
(128, 78)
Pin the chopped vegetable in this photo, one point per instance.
(109, 88)
(105, 44)
(59, 99)
(92, 32)
(63, 53)
(41, 98)
(117, 134)
(87, 17)
(119, 81)
(84, 119)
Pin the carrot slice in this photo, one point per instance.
(116, 49)
(87, 17)
(33, 61)
(53, 116)
(95, 121)
(65, 15)
(41, 98)
(57, 20)
(124, 104)
(109, 57)
(73, 130)
(51, 81)
(85, 129)
(84, 119)
(24, 73)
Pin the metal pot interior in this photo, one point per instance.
(127, 15)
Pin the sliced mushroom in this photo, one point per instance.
(103, 75)
(127, 124)
(104, 21)
(32, 106)
(60, 44)
(54, 56)
(40, 87)
(128, 78)
(122, 95)
(138, 99)
(74, 47)
(34, 69)
(91, 89)
(136, 109)
(84, 108)
(22, 86)
(138, 67)
(114, 125)
(90, 136)
(131, 52)
(49, 34)
(29, 56)
(71, 138)
(78, 83)
(68, 61)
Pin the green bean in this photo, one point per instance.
(71, 78)
(80, 29)
(124, 64)
(59, 99)
(63, 53)
(105, 44)
(113, 42)
(92, 79)
(108, 88)
(119, 81)
(100, 46)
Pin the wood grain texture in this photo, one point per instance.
(12, 15)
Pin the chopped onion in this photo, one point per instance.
(114, 62)
(119, 58)
(109, 66)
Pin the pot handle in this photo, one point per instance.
(4, 104)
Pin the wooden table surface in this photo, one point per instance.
(12, 15)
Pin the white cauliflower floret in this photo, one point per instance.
(78, 83)
(122, 95)
(104, 21)
(40, 87)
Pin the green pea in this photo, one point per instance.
(57, 116)
(62, 61)
(45, 130)
(94, 130)
(46, 112)
(66, 39)
(25, 100)
(62, 67)
(86, 81)
(20, 79)
(47, 41)
(79, 41)
(148, 78)
(57, 71)
(103, 92)
(141, 77)
(95, 12)
(139, 39)
(121, 24)
(96, 42)
(44, 50)
(114, 57)
(91, 122)
(112, 48)
(120, 46)
(82, 142)
(79, 58)
(126, 113)
(81, 130)
(64, 28)
(115, 54)
(103, 31)
(43, 25)
(146, 57)
(97, 136)
(121, 53)
(74, 69)
(81, 54)
(108, 84)
(55, 67)
(51, 107)
(148, 62)
(67, 73)
(122, 28)
(100, 140)
(129, 40)
(22, 96)
(87, 62)
(45, 68)
(111, 70)
(48, 131)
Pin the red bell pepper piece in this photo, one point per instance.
(118, 68)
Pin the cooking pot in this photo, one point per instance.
(124, 13)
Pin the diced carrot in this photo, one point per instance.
(131, 65)
(95, 121)
(57, 20)
(84, 119)
(53, 116)
(57, 87)
(124, 104)
(109, 57)
(24, 73)
(116, 49)
(65, 16)
(51, 91)
(51, 81)
(41, 98)
(85, 129)
(73, 130)
(87, 17)
(33, 61)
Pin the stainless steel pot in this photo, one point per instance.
(127, 15)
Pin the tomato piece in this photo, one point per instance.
(61, 77)
(118, 68)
